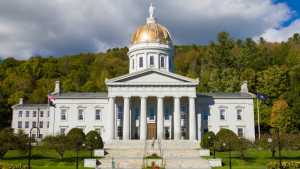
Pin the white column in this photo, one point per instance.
(143, 123)
(111, 119)
(192, 119)
(167, 63)
(160, 117)
(177, 119)
(126, 117)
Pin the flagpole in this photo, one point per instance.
(258, 118)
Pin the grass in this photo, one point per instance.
(48, 159)
(254, 158)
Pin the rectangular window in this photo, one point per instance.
(41, 124)
(205, 131)
(42, 114)
(97, 115)
(33, 124)
(240, 132)
(27, 113)
(120, 112)
(48, 113)
(41, 136)
(162, 62)
(120, 131)
(132, 63)
(183, 112)
(239, 114)
(167, 113)
(183, 128)
(136, 113)
(63, 115)
(20, 113)
(80, 114)
(222, 114)
(97, 130)
(170, 65)
(62, 131)
(26, 124)
(151, 113)
(33, 136)
(141, 61)
(19, 124)
(48, 124)
(151, 60)
(205, 114)
(34, 114)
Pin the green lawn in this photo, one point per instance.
(254, 158)
(48, 159)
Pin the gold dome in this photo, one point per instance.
(151, 32)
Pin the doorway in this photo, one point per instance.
(151, 131)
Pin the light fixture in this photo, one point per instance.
(224, 144)
(38, 139)
(96, 137)
(83, 144)
(270, 140)
(208, 137)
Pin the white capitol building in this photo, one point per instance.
(150, 101)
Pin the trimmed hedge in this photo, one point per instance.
(220, 140)
(93, 143)
(208, 142)
(76, 137)
(275, 165)
(12, 166)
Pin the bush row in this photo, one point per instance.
(275, 165)
(12, 166)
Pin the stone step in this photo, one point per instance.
(186, 162)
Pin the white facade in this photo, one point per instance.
(150, 98)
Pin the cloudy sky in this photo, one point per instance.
(65, 27)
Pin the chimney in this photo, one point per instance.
(21, 101)
(244, 87)
(57, 87)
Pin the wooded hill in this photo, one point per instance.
(271, 68)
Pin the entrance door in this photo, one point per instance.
(151, 131)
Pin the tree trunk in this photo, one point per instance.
(61, 156)
(273, 154)
(242, 155)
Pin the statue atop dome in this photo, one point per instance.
(151, 10)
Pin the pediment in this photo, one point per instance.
(152, 76)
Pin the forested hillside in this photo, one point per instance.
(271, 68)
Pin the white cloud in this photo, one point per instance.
(60, 27)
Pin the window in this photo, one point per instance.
(167, 133)
(170, 65)
(27, 113)
(41, 136)
(33, 136)
(98, 130)
(132, 63)
(62, 131)
(183, 129)
(205, 114)
(19, 124)
(205, 131)
(41, 124)
(162, 62)
(239, 114)
(222, 114)
(120, 112)
(97, 115)
(120, 131)
(42, 114)
(136, 113)
(141, 61)
(183, 112)
(63, 114)
(167, 113)
(26, 124)
(151, 113)
(80, 114)
(151, 60)
(48, 113)
(47, 124)
(34, 114)
(33, 124)
(136, 133)
(20, 113)
(240, 132)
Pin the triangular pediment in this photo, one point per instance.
(152, 76)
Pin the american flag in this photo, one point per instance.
(50, 96)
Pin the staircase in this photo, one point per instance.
(176, 154)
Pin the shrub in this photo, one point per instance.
(209, 143)
(220, 140)
(12, 166)
(275, 165)
(76, 137)
(93, 143)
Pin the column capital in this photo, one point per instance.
(160, 97)
(177, 97)
(126, 97)
(143, 97)
(192, 97)
(111, 97)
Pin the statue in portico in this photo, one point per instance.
(151, 10)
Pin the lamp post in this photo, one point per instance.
(91, 151)
(78, 150)
(214, 146)
(224, 144)
(270, 141)
(38, 140)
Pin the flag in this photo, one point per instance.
(52, 104)
(261, 96)
(50, 96)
